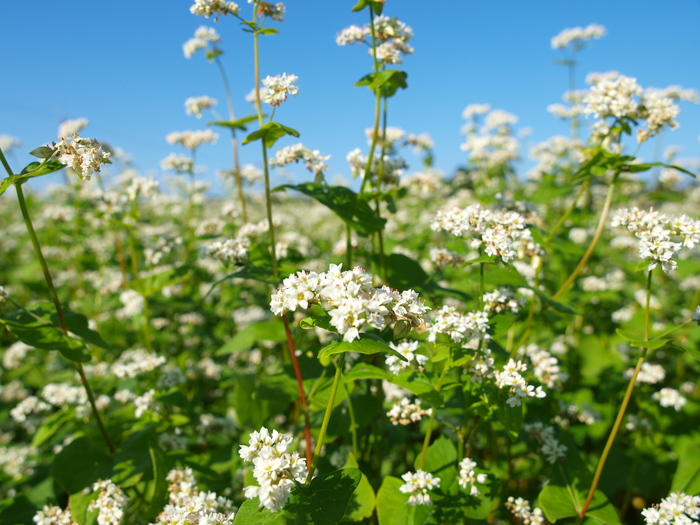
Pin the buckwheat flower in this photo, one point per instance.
(546, 366)
(677, 509)
(278, 87)
(3, 295)
(137, 361)
(650, 373)
(521, 509)
(275, 469)
(274, 11)
(417, 485)
(518, 388)
(231, 250)
(315, 162)
(406, 349)
(110, 503)
(468, 478)
(352, 35)
(459, 327)
(208, 8)
(502, 299)
(53, 515)
(177, 163)
(386, 138)
(82, 155)
(475, 109)
(404, 412)
(577, 36)
(670, 397)
(195, 105)
(72, 127)
(616, 97)
(16, 462)
(192, 139)
(133, 304)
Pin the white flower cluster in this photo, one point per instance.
(315, 162)
(144, 403)
(192, 139)
(481, 366)
(404, 412)
(406, 349)
(496, 231)
(670, 397)
(81, 154)
(386, 138)
(502, 299)
(547, 369)
(53, 515)
(550, 448)
(620, 97)
(443, 257)
(72, 126)
(195, 105)
(349, 299)
(202, 37)
(418, 485)
(278, 87)
(3, 294)
(208, 8)
(420, 143)
(274, 468)
(15, 462)
(649, 373)
(132, 363)
(553, 155)
(230, 250)
(144, 186)
(8, 143)
(29, 406)
(133, 304)
(459, 327)
(110, 502)
(393, 166)
(186, 505)
(177, 163)
(14, 355)
(392, 38)
(468, 478)
(423, 183)
(521, 509)
(654, 230)
(511, 378)
(677, 509)
(577, 35)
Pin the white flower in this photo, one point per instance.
(83, 155)
(192, 139)
(278, 87)
(195, 105)
(208, 8)
(578, 35)
(417, 485)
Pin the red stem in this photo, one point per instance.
(300, 384)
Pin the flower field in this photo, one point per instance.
(492, 346)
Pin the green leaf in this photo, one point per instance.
(363, 500)
(393, 508)
(239, 123)
(152, 284)
(367, 344)
(40, 328)
(566, 492)
(420, 385)
(344, 203)
(633, 340)
(157, 493)
(50, 426)
(78, 325)
(34, 169)
(320, 321)
(366, 371)
(80, 463)
(78, 505)
(324, 501)
(486, 259)
(133, 459)
(42, 152)
(687, 476)
(440, 459)
(511, 418)
(271, 330)
(267, 31)
(553, 304)
(387, 81)
(270, 133)
(250, 513)
(404, 273)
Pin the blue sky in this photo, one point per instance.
(120, 65)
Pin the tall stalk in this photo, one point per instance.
(234, 141)
(57, 304)
(273, 251)
(623, 407)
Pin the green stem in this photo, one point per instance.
(353, 422)
(594, 242)
(3, 160)
(59, 311)
(428, 434)
(326, 417)
(234, 141)
(623, 408)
